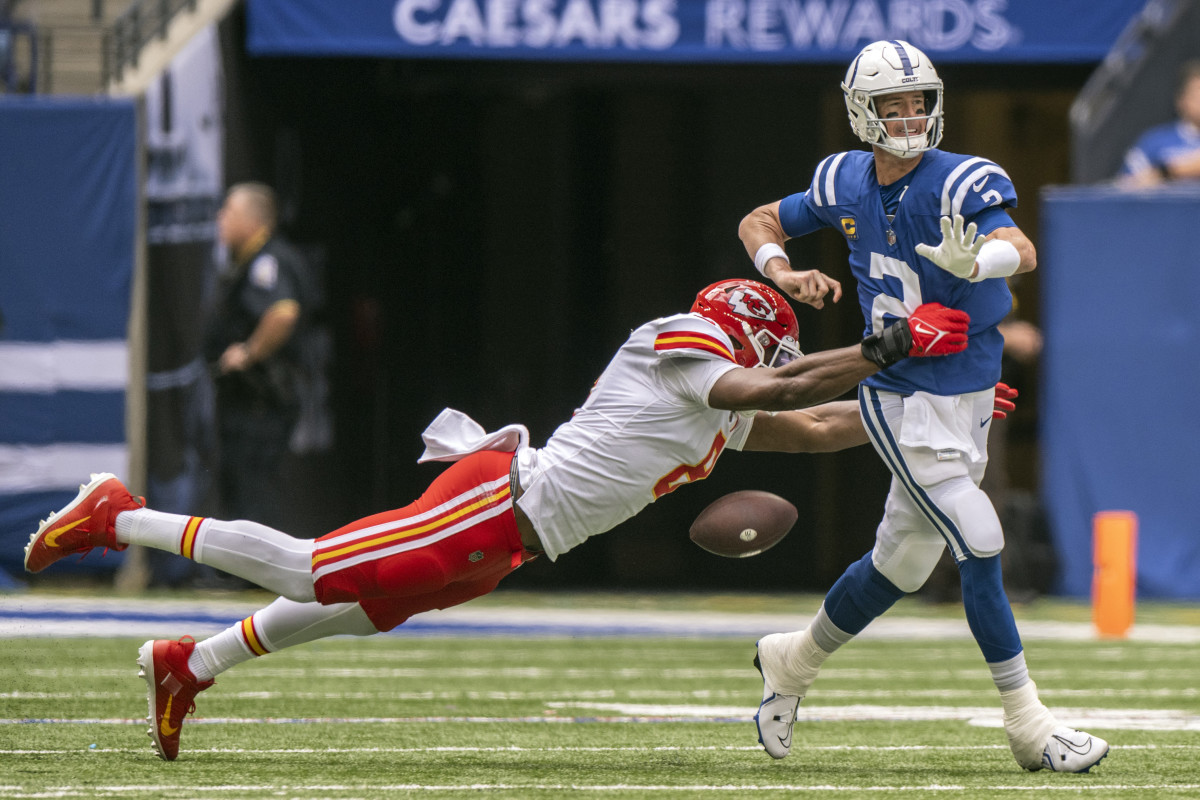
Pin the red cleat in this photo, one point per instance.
(172, 690)
(87, 521)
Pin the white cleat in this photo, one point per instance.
(1069, 750)
(775, 718)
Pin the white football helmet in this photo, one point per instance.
(883, 68)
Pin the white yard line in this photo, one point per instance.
(320, 790)
(1140, 719)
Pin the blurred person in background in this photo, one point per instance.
(1171, 151)
(678, 393)
(910, 215)
(250, 346)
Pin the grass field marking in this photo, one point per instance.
(618, 713)
(643, 695)
(986, 716)
(831, 677)
(1074, 787)
(841, 748)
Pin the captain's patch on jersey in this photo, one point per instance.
(264, 272)
(850, 227)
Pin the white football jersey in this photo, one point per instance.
(645, 430)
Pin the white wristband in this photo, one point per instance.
(766, 253)
(997, 259)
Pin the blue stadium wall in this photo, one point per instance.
(67, 245)
(1120, 279)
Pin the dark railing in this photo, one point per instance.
(134, 29)
(1134, 83)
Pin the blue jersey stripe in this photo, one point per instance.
(818, 183)
(972, 181)
(824, 185)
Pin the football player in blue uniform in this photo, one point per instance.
(922, 225)
(1170, 151)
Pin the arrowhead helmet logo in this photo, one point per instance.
(746, 302)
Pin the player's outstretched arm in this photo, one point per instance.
(831, 427)
(826, 428)
(931, 330)
(1005, 251)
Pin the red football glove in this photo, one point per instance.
(1003, 403)
(937, 330)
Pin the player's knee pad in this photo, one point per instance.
(907, 546)
(907, 558)
(972, 513)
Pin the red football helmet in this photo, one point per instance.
(760, 322)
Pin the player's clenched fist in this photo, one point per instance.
(958, 249)
(937, 330)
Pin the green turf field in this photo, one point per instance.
(645, 717)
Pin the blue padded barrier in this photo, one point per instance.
(1120, 293)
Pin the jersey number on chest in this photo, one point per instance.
(885, 266)
(690, 473)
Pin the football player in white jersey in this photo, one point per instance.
(678, 393)
(921, 225)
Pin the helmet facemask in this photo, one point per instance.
(919, 133)
(772, 350)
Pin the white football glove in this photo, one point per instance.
(957, 252)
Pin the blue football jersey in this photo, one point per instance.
(892, 279)
(1161, 144)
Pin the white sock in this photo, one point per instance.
(284, 623)
(791, 661)
(199, 666)
(1028, 724)
(150, 528)
(1010, 674)
(270, 558)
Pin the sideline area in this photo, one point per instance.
(37, 614)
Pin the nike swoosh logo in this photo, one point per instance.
(1074, 748)
(787, 743)
(984, 421)
(51, 539)
(978, 186)
(164, 725)
(925, 330)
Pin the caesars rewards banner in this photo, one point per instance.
(829, 31)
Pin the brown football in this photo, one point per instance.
(743, 524)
